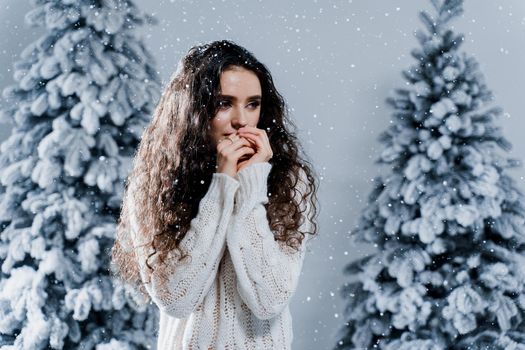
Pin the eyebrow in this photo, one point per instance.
(254, 97)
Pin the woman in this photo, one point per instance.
(217, 207)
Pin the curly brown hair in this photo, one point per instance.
(175, 161)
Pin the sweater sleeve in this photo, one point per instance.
(178, 287)
(267, 270)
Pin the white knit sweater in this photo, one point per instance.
(235, 291)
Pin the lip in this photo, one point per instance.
(230, 135)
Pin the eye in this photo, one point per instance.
(254, 104)
(223, 104)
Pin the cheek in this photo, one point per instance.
(218, 123)
(255, 118)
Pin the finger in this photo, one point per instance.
(245, 151)
(227, 141)
(240, 142)
(245, 157)
(261, 146)
(250, 130)
(258, 132)
(234, 154)
(231, 146)
(222, 144)
(250, 140)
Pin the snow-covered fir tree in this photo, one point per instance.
(83, 95)
(447, 219)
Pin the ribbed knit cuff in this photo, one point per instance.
(222, 186)
(253, 185)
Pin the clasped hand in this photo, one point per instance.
(251, 146)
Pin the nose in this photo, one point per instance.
(240, 118)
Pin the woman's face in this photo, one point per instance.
(239, 103)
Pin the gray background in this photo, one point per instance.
(335, 62)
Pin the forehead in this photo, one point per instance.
(240, 81)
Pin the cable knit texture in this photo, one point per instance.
(235, 291)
